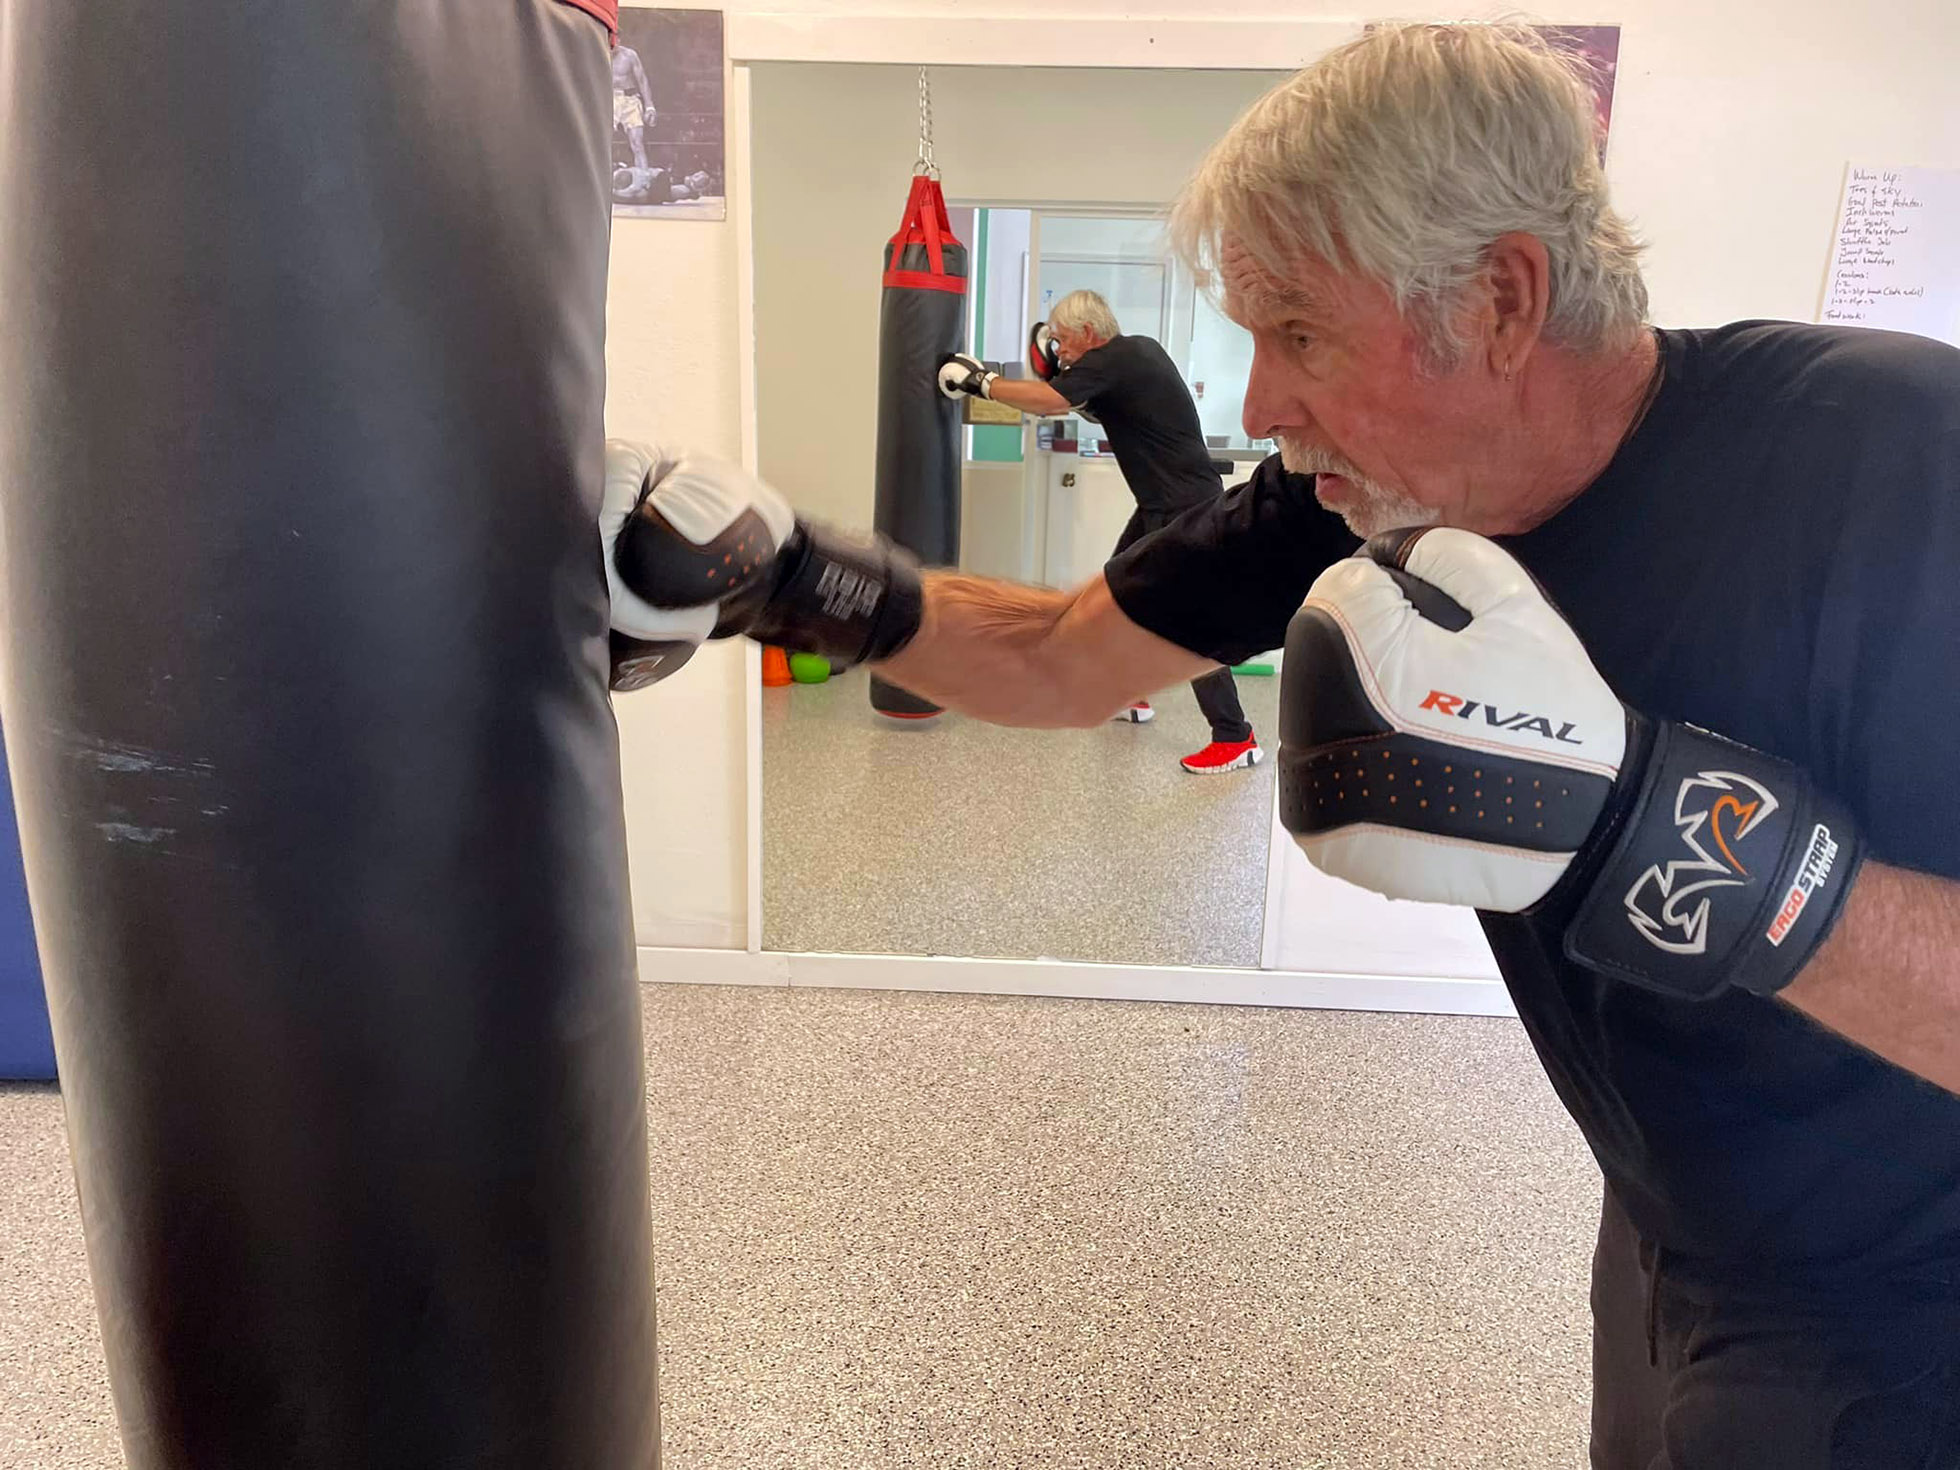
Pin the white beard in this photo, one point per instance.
(1377, 509)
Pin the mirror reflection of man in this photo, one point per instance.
(1133, 389)
(633, 107)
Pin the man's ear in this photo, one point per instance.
(1518, 287)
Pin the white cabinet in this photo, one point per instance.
(1088, 504)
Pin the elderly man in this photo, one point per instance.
(1735, 956)
(1133, 389)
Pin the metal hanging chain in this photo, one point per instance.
(926, 164)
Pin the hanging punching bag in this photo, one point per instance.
(305, 697)
(921, 319)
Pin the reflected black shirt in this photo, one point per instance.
(1133, 388)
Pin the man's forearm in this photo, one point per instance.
(1028, 396)
(1031, 656)
(979, 649)
(1888, 977)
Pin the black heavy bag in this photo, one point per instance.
(301, 326)
(921, 319)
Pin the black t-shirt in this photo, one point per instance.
(1774, 555)
(1132, 387)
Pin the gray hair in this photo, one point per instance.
(1403, 156)
(1084, 309)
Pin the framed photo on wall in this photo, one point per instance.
(669, 147)
(1598, 49)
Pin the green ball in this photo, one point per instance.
(809, 668)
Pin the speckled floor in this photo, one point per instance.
(968, 839)
(951, 1231)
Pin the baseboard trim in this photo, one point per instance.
(1434, 995)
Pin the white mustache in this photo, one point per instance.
(1379, 508)
(1305, 459)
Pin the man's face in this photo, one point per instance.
(1340, 381)
(1072, 342)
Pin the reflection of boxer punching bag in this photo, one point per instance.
(922, 319)
(305, 696)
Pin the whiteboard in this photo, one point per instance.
(1895, 262)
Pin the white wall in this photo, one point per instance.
(1732, 126)
(673, 373)
(1133, 239)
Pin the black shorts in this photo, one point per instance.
(1689, 1378)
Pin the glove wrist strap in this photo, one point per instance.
(1728, 868)
(856, 601)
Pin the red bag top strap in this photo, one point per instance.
(926, 223)
(604, 11)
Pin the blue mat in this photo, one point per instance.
(26, 1044)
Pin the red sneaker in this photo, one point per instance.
(1139, 713)
(1224, 755)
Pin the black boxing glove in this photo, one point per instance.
(706, 550)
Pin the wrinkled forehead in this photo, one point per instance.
(1258, 294)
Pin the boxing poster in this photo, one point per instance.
(1597, 48)
(669, 149)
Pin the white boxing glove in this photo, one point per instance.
(961, 376)
(700, 499)
(1445, 737)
